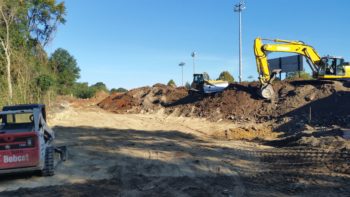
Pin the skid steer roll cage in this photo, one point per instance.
(38, 120)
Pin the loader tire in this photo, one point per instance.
(49, 168)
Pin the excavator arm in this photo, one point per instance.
(261, 51)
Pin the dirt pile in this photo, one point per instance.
(144, 99)
(326, 139)
(239, 103)
(320, 102)
(298, 107)
(238, 100)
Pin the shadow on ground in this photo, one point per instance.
(173, 163)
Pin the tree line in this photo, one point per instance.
(26, 27)
(27, 73)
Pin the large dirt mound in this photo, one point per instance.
(144, 99)
(322, 102)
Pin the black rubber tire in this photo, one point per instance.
(49, 168)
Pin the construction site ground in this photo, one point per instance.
(159, 141)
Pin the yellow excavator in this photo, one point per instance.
(323, 68)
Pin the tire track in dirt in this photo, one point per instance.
(170, 156)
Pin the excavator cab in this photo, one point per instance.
(329, 65)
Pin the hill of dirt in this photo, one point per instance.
(298, 107)
(322, 102)
(144, 99)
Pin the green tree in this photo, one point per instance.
(9, 12)
(298, 75)
(82, 90)
(171, 83)
(44, 82)
(206, 76)
(65, 67)
(26, 26)
(226, 76)
(43, 18)
(100, 86)
(119, 90)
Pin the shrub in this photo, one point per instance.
(226, 76)
(171, 83)
(119, 90)
(82, 90)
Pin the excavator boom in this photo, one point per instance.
(261, 50)
(322, 68)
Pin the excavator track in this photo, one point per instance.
(287, 169)
(282, 160)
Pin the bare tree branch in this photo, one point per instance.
(5, 43)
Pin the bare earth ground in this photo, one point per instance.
(158, 155)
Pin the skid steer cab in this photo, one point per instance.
(26, 141)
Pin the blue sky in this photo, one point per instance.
(133, 43)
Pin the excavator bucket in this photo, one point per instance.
(267, 91)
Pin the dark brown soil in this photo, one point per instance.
(142, 99)
(320, 102)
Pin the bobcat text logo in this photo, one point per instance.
(15, 158)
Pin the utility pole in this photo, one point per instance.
(239, 8)
(193, 55)
(182, 64)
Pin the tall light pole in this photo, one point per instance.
(239, 8)
(182, 64)
(193, 55)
